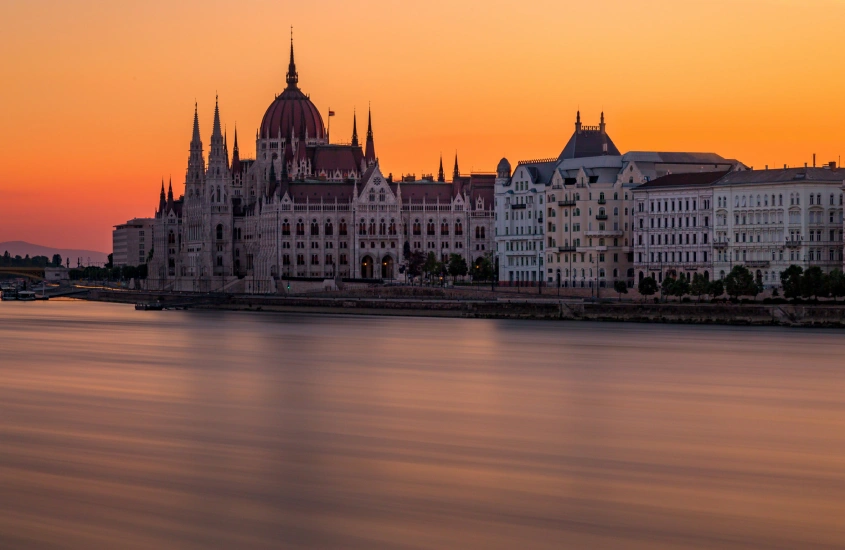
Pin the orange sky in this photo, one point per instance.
(97, 97)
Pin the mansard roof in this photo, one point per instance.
(588, 142)
(675, 157)
(541, 171)
(785, 175)
(692, 179)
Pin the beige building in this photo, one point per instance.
(132, 242)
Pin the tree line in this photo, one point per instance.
(420, 264)
(740, 282)
(7, 260)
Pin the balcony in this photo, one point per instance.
(720, 245)
(566, 249)
(567, 202)
(518, 206)
(793, 244)
(757, 263)
(602, 201)
(604, 233)
(601, 217)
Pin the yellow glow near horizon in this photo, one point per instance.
(97, 98)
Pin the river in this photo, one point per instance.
(203, 429)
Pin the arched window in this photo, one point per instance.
(482, 232)
(381, 196)
(362, 228)
(329, 230)
(417, 227)
(285, 227)
(459, 228)
(430, 227)
(341, 228)
(219, 232)
(372, 228)
(382, 228)
(300, 228)
(444, 228)
(391, 229)
(615, 210)
(315, 228)
(372, 196)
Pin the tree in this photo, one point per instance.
(681, 288)
(791, 281)
(740, 282)
(699, 285)
(814, 283)
(647, 287)
(57, 260)
(666, 286)
(110, 263)
(457, 266)
(483, 269)
(621, 287)
(416, 263)
(406, 251)
(836, 283)
(716, 288)
(432, 266)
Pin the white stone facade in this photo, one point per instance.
(132, 242)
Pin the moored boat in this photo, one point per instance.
(26, 296)
(150, 306)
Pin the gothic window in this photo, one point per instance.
(329, 228)
(381, 196)
(300, 228)
(372, 196)
(430, 227)
(219, 232)
(372, 228)
(315, 228)
(341, 228)
(417, 227)
(444, 228)
(300, 259)
(382, 228)
(483, 231)
(477, 231)
(391, 230)
(362, 229)
(286, 259)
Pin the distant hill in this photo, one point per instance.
(21, 248)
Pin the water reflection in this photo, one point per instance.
(125, 429)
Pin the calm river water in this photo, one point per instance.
(197, 430)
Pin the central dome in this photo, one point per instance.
(292, 111)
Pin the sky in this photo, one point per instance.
(97, 96)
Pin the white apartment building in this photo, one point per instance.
(673, 226)
(768, 220)
(519, 204)
(132, 242)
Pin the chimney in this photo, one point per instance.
(767, 167)
(832, 164)
(805, 165)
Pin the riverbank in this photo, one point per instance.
(510, 307)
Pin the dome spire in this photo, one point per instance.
(292, 78)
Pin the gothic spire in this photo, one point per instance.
(354, 129)
(162, 202)
(370, 153)
(455, 172)
(195, 138)
(215, 131)
(441, 176)
(292, 77)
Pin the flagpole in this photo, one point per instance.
(329, 131)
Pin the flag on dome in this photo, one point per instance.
(331, 113)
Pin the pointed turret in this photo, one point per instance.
(170, 195)
(236, 157)
(196, 162)
(217, 158)
(578, 121)
(162, 202)
(455, 172)
(370, 153)
(601, 124)
(441, 176)
(292, 77)
(354, 129)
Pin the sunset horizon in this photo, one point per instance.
(444, 79)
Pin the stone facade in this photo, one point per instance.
(307, 208)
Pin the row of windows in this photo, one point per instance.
(663, 206)
(315, 259)
(673, 257)
(763, 200)
(666, 239)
